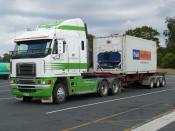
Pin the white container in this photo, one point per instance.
(124, 54)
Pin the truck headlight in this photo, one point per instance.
(12, 81)
(43, 82)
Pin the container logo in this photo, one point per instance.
(141, 55)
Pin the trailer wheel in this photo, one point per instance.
(27, 98)
(157, 84)
(115, 87)
(103, 88)
(163, 82)
(59, 94)
(151, 84)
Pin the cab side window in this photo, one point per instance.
(82, 45)
(55, 47)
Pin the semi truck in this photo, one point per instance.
(51, 63)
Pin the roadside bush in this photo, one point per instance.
(161, 52)
(168, 61)
(159, 59)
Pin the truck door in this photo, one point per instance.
(74, 55)
(59, 64)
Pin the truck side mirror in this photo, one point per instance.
(60, 46)
(49, 51)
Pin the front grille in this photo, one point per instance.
(26, 87)
(27, 90)
(25, 81)
(25, 69)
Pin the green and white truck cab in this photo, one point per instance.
(48, 62)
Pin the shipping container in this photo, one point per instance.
(124, 54)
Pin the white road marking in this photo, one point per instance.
(172, 82)
(4, 83)
(157, 123)
(4, 90)
(171, 76)
(107, 101)
(95, 121)
(5, 86)
(7, 98)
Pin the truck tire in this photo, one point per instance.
(59, 94)
(163, 82)
(103, 88)
(151, 84)
(115, 87)
(27, 98)
(157, 84)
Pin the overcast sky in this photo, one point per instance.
(103, 17)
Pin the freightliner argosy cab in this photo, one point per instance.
(51, 51)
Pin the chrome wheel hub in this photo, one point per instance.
(115, 88)
(60, 93)
(104, 89)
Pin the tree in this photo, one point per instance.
(161, 52)
(90, 40)
(1, 59)
(145, 32)
(170, 34)
(6, 57)
(168, 61)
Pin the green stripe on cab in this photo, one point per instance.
(57, 66)
(69, 27)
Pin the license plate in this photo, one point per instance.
(26, 94)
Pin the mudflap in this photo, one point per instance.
(47, 99)
(19, 98)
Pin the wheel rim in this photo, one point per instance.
(158, 83)
(60, 94)
(163, 82)
(115, 88)
(104, 89)
(152, 84)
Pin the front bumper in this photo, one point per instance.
(33, 90)
(28, 86)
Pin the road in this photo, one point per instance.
(133, 107)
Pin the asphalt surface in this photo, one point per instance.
(131, 108)
(170, 127)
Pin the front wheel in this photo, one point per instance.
(59, 93)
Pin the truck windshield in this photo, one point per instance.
(33, 48)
